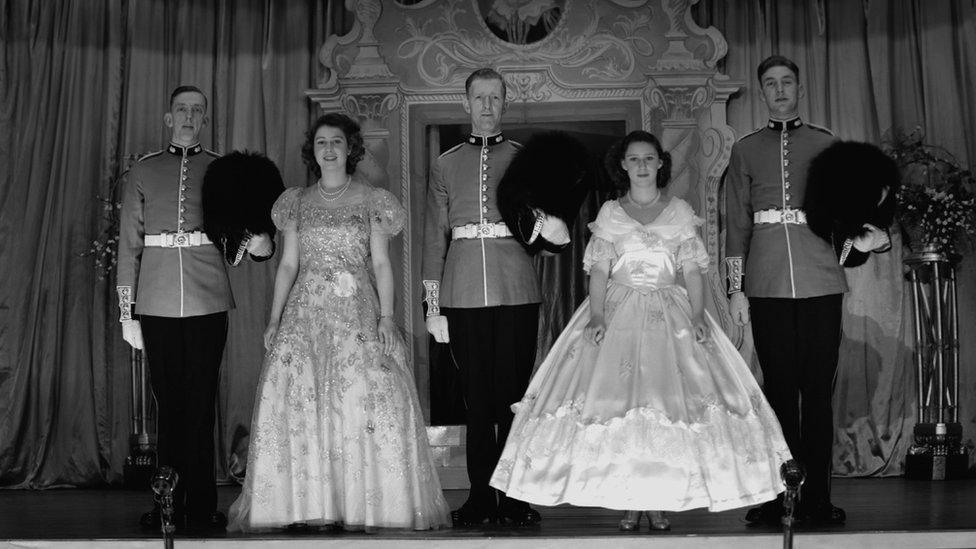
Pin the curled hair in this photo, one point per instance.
(354, 140)
(484, 74)
(621, 182)
(777, 61)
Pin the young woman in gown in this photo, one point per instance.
(337, 437)
(643, 403)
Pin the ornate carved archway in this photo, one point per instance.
(401, 69)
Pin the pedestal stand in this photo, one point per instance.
(937, 452)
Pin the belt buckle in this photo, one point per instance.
(178, 240)
(789, 216)
(486, 230)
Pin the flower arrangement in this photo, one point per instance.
(936, 204)
(104, 249)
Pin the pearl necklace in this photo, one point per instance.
(332, 196)
(646, 204)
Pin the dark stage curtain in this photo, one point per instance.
(870, 67)
(85, 83)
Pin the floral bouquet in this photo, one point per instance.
(936, 205)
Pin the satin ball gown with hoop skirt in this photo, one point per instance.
(649, 418)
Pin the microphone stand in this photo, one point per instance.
(793, 476)
(163, 485)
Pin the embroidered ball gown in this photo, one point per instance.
(650, 418)
(338, 436)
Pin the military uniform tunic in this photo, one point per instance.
(768, 170)
(163, 194)
(473, 272)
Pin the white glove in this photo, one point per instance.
(874, 239)
(259, 245)
(132, 333)
(555, 231)
(437, 327)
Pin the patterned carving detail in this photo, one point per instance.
(442, 52)
(368, 13)
(370, 106)
(678, 102)
(528, 86)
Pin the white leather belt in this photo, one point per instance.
(481, 230)
(787, 215)
(177, 240)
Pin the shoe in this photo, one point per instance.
(467, 516)
(770, 512)
(630, 522)
(826, 513)
(658, 520)
(517, 514)
(208, 521)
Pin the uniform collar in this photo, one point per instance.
(483, 140)
(779, 125)
(180, 150)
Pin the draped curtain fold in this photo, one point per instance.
(84, 85)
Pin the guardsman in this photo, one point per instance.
(482, 294)
(788, 281)
(174, 295)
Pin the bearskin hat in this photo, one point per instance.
(849, 184)
(239, 190)
(553, 173)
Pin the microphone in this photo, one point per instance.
(163, 485)
(793, 475)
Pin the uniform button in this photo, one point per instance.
(484, 177)
(183, 188)
(786, 174)
(484, 197)
(787, 196)
(184, 178)
(786, 161)
(182, 209)
(484, 209)
(182, 219)
(786, 185)
(484, 166)
(484, 187)
(786, 152)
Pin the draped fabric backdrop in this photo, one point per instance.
(84, 85)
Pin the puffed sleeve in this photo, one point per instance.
(600, 246)
(386, 215)
(598, 250)
(284, 213)
(691, 249)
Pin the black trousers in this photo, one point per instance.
(798, 341)
(184, 357)
(494, 349)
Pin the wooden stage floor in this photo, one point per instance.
(884, 513)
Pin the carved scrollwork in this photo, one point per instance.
(370, 106)
(678, 102)
(441, 46)
(528, 86)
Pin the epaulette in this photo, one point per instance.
(821, 128)
(449, 151)
(150, 155)
(211, 153)
(753, 132)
